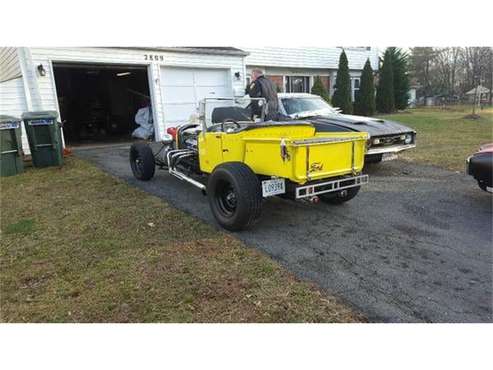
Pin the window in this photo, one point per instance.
(355, 83)
(297, 84)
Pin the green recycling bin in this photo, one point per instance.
(10, 146)
(45, 138)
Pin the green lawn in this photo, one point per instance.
(444, 137)
(78, 245)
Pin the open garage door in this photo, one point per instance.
(183, 88)
(98, 102)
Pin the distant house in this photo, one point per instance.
(294, 69)
(413, 89)
(480, 91)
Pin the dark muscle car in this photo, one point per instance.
(386, 137)
(480, 166)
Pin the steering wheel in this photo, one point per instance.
(229, 121)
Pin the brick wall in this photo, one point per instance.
(326, 82)
(278, 81)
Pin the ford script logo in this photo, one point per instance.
(316, 166)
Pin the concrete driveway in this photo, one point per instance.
(414, 246)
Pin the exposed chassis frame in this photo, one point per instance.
(311, 190)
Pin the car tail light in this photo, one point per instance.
(172, 131)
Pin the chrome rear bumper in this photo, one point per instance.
(390, 149)
(307, 191)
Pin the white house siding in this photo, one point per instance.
(12, 97)
(9, 64)
(13, 103)
(305, 57)
(12, 100)
(310, 62)
(42, 89)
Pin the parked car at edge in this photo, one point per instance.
(386, 137)
(480, 166)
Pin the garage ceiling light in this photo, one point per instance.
(123, 74)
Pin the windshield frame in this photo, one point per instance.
(329, 109)
(203, 106)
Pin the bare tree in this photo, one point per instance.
(475, 63)
(422, 59)
(446, 62)
(489, 74)
(452, 70)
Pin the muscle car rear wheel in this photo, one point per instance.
(142, 161)
(340, 197)
(484, 186)
(373, 158)
(235, 196)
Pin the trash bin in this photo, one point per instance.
(10, 146)
(45, 138)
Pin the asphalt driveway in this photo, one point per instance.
(414, 246)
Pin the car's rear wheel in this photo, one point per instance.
(235, 196)
(341, 196)
(142, 161)
(484, 186)
(373, 158)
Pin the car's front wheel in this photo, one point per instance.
(142, 161)
(341, 196)
(235, 196)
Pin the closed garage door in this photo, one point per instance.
(183, 88)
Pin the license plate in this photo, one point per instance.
(389, 157)
(273, 187)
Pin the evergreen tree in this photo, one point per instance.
(400, 77)
(385, 90)
(319, 89)
(342, 95)
(365, 100)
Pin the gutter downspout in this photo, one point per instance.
(22, 63)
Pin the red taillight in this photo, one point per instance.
(172, 131)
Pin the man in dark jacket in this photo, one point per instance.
(262, 87)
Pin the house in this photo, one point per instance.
(97, 91)
(480, 92)
(413, 93)
(294, 69)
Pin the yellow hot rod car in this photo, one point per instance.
(237, 161)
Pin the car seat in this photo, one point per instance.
(219, 114)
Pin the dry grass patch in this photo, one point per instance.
(78, 245)
(445, 137)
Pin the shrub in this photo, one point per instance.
(385, 90)
(365, 100)
(320, 90)
(342, 95)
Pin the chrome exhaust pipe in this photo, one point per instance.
(314, 200)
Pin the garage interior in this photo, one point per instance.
(98, 102)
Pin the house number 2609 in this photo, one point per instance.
(153, 57)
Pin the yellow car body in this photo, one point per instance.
(238, 163)
(294, 152)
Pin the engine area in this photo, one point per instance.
(180, 154)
